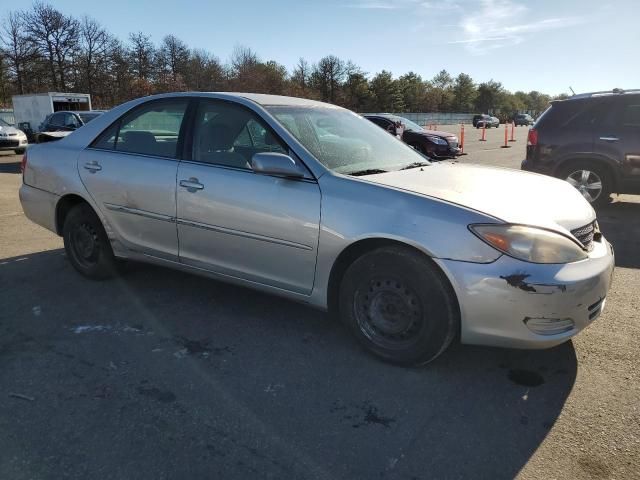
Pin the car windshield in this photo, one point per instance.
(408, 124)
(345, 142)
(87, 117)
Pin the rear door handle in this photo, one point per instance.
(609, 139)
(192, 184)
(92, 166)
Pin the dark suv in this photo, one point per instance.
(592, 141)
(435, 144)
(522, 119)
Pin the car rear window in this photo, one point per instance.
(568, 113)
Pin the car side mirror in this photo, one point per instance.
(272, 163)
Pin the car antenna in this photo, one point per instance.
(572, 90)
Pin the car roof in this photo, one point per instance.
(259, 98)
(606, 93)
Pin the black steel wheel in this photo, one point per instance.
(399, 305)
(86, 243)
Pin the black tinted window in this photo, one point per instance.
(228, 134)
(567, 113)
(57, 119)
(631, 114)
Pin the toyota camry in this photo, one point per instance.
(312, 202)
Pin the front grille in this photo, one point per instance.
(585, 234)
(9, 143)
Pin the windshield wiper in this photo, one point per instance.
(368, 171)
(416, 165)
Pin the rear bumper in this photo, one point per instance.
(498, 300)
(39, 206)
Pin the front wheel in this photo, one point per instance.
(399, 306)
(19, 151)
(86, 243)
(592, 180)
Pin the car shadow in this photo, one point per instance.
(620, 223)
(175, 374)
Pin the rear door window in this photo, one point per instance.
(152, 129)
(631, 113)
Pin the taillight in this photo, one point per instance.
(532, 138)
(23, 163)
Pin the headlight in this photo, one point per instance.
(438, 140)
(530, 244)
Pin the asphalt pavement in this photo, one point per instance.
(160, 374)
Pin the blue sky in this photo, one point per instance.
(544, 45)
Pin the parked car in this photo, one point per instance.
(523, 119)
(68, 121)
(592, 141)
(479, 121)
(11, 138)
(410, 254)
(433, 143)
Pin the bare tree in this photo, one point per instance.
(173, 56)
(242, 69)
(204, 72)
(16, 48)
(328, 76)
(141, 55)
(301, 75)
(55, 37)
(94, 47)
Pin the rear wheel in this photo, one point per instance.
(399, 306)
(86, 243)
(593, 181)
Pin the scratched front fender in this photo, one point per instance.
(495, 299)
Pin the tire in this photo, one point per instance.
(573, 173)
(399, 306)
(19, 151)
(87, 245)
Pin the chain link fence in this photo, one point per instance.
(437, 118)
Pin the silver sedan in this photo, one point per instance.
(314, 203)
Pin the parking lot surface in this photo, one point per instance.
(160, 374)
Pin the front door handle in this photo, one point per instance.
(609, 139)
(93, 167)
(192, 184)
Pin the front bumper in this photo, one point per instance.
(12, 143)
(443, 152)
(498, 299)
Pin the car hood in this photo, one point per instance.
(9, 130)
(509, 195)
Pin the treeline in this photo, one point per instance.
(42, 50)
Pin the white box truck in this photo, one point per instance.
(33, 108)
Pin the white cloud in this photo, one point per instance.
(499, 23)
